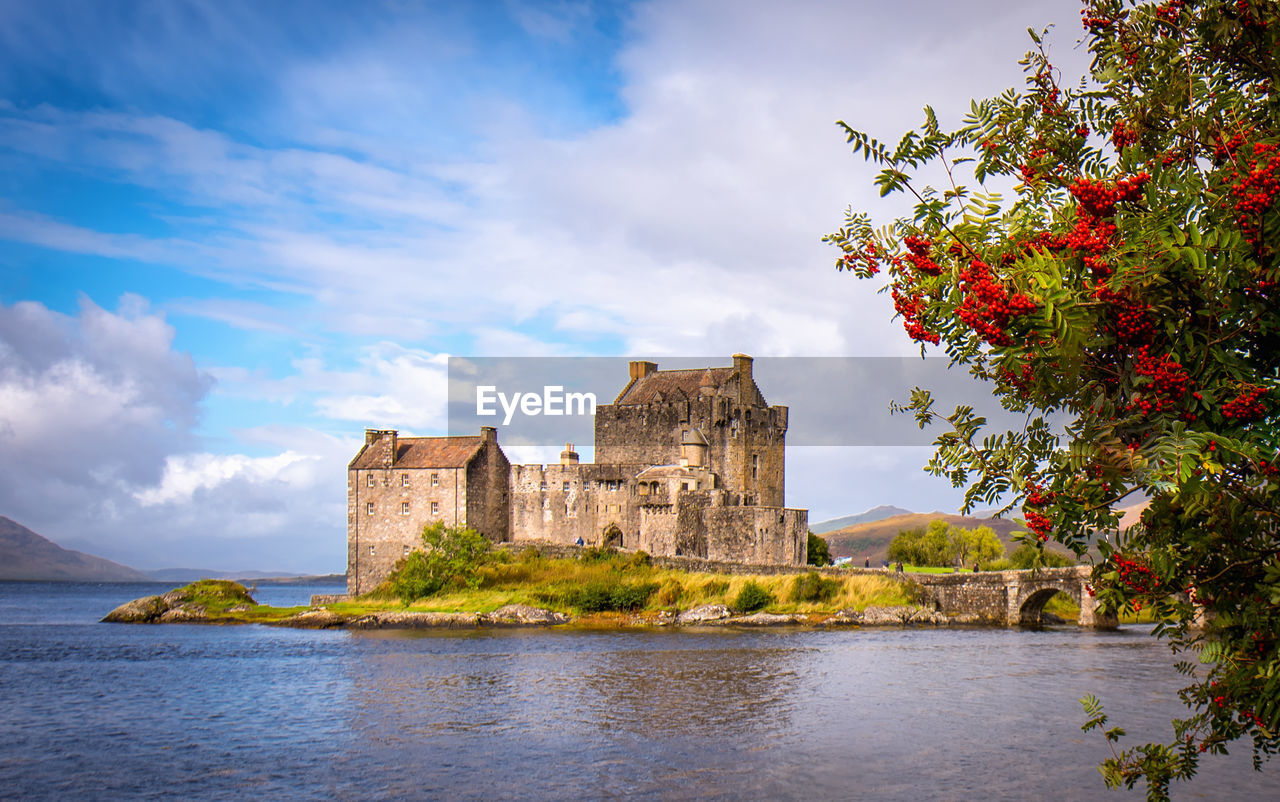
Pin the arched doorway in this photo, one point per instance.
(612, 537)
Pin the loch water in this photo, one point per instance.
(110, 711)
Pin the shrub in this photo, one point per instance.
(812, 587)
(819, 553)
(752, 597)
(595, 597)
(450, 557)
(640, 559)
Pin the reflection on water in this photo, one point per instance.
(94, 710)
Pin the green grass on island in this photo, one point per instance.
(602, 581)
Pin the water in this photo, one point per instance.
(92, 710)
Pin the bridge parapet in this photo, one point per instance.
(1012, 598)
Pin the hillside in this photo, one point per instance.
(26, 555)
(871, 539)
(873, 514)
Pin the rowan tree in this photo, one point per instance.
(1122, 292)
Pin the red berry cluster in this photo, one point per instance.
(1247, 405)
(1039, 523)
(1093, 22)
(918, 250)
(1082, 131)
(1169, 381)
(1136, 576)
(1224, 149)
(1122, 136)
(868, 258)
(1099, 200)
(1020, 381)
(910, 305)
(1129, 319)
(1170, 12)
(1037, 497)
(988, 307)
(1253, 184)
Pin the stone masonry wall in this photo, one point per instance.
(379, 529)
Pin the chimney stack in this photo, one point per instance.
(641, 369)
(568, 456)
(742, 364)
(488, 434)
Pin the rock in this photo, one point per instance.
(411, 619)
(313, 619)
(901, 616)
(146, 610)
(707, 612)
(523, 615)
(184, 614)
(766, 620)
(843, 618)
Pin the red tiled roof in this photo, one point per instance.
(672, 384)
(421, 452)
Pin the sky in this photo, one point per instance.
(233, 235)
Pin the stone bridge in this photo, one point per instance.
(1011, 598)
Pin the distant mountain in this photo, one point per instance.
(873, 514)
(185, 575)
(26, 555)
(872, 538)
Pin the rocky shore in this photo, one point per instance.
(180, 607)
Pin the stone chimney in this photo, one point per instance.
(386, 441)
(488, 434)
(641, 369)
(742, 364)
(569, 456)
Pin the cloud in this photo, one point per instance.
(98, 428)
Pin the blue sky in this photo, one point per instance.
(234, 234)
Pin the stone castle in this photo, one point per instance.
(688, 463)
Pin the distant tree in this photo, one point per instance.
(979, 545)
(449, 557)
(1028, 556)
(943, 544)
(819, 552)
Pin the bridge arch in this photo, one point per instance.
(1032, 607)
(1011, 598)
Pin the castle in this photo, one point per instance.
(688, 463)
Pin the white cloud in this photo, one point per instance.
(187, 473)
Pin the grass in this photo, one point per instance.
(556, 584)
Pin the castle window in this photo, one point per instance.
(404, 480)
(544, 486)
(371, 479)
(435, 479)
(755, 465)
(404, 508)
(435, 508)
(565, 487)
(368, 508)
(406, 550)
(371, 551)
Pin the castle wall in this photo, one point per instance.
(488, 502)
(380, 531)
(560, 503)
(770, 535)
